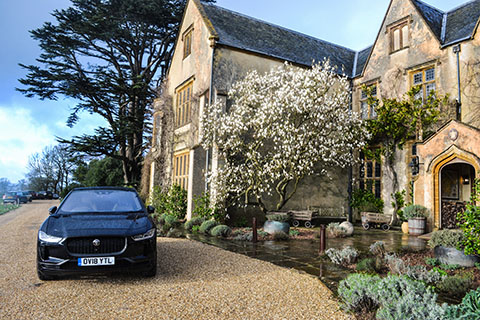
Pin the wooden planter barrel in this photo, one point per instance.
(416, 226)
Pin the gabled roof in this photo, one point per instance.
(362, 58)
(239, 31)
(432, 16)
(453, 26)
(461, 22)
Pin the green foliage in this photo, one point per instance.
(108, 56)
(469, 309)
(415, 211)
(345, 256)
(100, 172)
(441, 272)
(477, 265)
(449, 267)
(4, 208)
(241, 222)
(458, 284)
(399, 203)
(396, 297)
(221, 231)
(208, 225)
(365, 201)
(432, 262)
(174, 233)
(446, 238)
(278, 217)
(195, 221)
(357, 292)
(195, 229)
(280, 236)
(294, 232)
(173, 202)
(203, 208)
(366, 265)
(469, 222)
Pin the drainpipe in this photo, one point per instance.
(350, 169)
(210, 101)
(456, 50)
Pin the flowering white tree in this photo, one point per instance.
(283, 126)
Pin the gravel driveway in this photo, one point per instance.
(194, 281)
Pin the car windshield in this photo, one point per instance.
(99, 200)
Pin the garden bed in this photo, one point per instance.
(4, 208)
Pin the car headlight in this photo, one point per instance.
(48, 238)
(143, 236)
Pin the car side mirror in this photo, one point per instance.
(150, 209)
(52, 210)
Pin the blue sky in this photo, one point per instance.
(29, 125)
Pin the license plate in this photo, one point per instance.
(96, 261)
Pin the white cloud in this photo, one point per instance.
(20, 136)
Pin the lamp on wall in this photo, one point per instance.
(465, 179)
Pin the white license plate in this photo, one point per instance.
(96, 261)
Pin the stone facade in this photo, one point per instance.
(415, 41)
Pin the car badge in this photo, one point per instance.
(96, 243)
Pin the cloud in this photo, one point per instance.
(20, 136)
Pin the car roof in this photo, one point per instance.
(105, 188)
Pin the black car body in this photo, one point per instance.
(95, 231)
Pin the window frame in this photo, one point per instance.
(183, 104)
(375, 181)
(404, 35)
(370, 114)
(424, 83)
(187, 38)
(181, 168)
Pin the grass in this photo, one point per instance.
(4, 208)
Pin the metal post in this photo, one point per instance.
(254, 227)
(322, 239)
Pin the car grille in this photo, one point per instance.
(85, 245)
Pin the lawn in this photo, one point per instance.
(4, 208)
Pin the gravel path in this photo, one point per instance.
(194, 281)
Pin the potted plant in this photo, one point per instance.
(277, 222)
(416, 216)
(448, 248)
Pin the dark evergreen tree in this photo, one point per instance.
(110, 56)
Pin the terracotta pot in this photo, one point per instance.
(405, 227)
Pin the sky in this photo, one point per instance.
(27, 125)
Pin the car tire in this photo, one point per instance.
(152, 272)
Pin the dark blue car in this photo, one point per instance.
(96, 231)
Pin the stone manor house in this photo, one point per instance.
(417, 44)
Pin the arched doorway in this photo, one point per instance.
(455, 179)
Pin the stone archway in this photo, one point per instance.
(455, 167)
(455, 182)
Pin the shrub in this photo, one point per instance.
(449, 266)
(366, 265)
(221, 231)
(446, 238)
(195, 229)
(470, 222)
(334, 230)
(174, 233)
(241, 222)
(294, 232)
(378, 249)
(415, 211)
(469, 309)
(196, 221)
(172, 221)
(398, 267)
(458, 284)
(432, 262)
(280, 236)
(400, 297)
(357, 292)
(278, 217)
(173, 202)
(262, 233)
(365, 201)
(203, 208)
(395, 264)
(346, 256)
(208, 225)
(244, 237)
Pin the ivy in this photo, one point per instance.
(470, 222)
